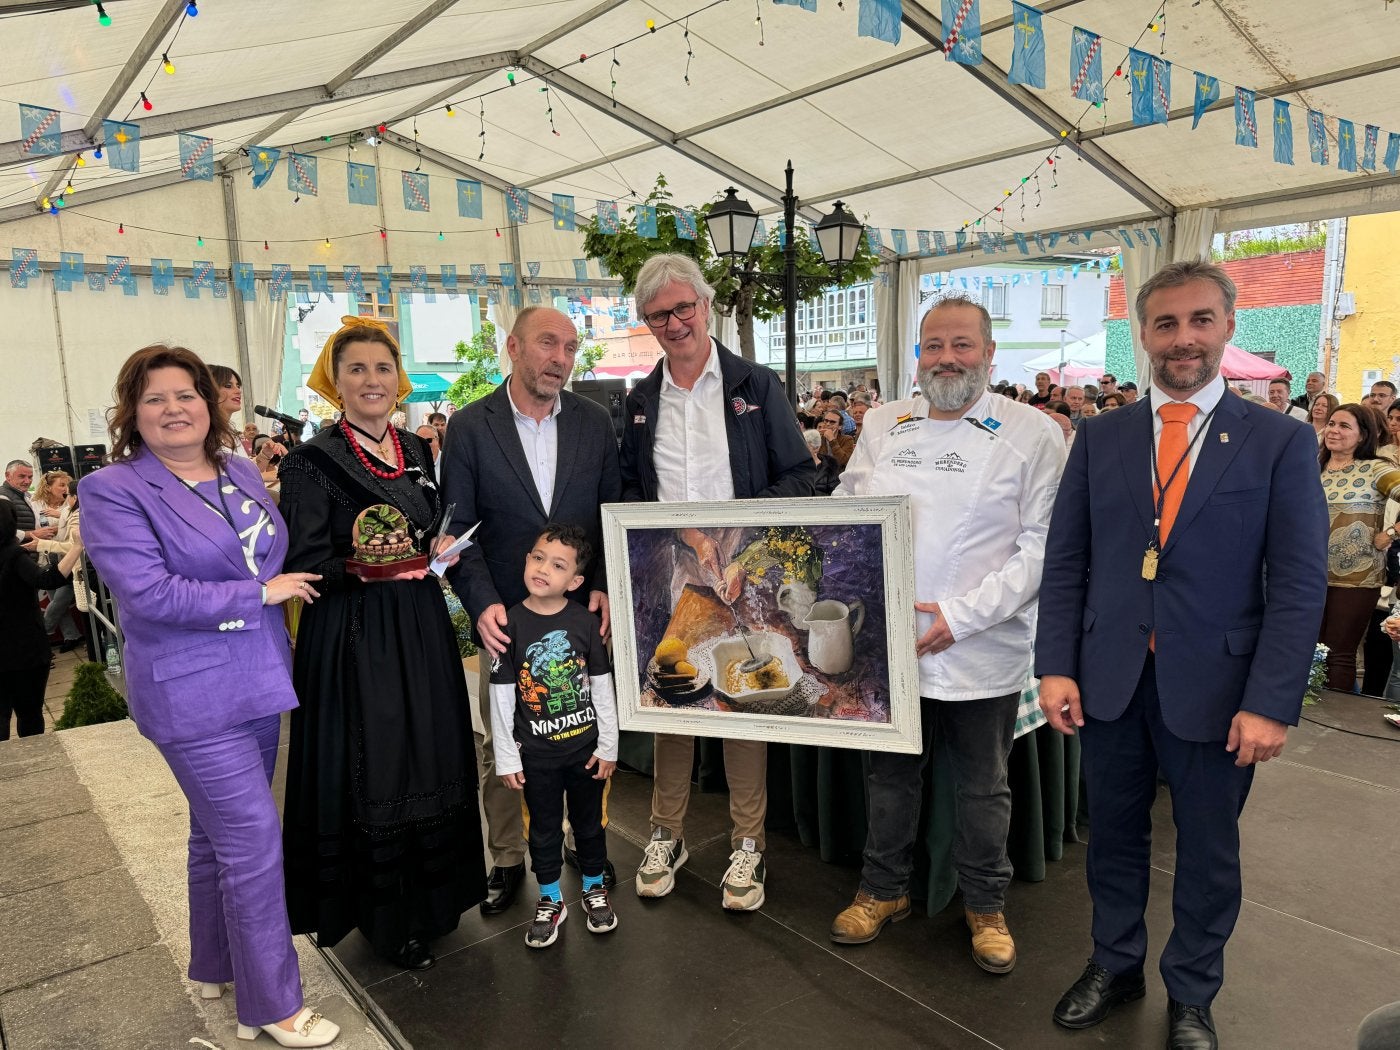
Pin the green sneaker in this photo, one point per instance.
(743, 882)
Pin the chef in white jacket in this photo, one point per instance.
(981, 472)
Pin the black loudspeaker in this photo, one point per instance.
(87, 458)
(55, 457)
(611, 394)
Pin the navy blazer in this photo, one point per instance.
(485, 473)
(203, 654)
(1238, 597)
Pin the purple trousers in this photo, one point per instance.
(238, 907)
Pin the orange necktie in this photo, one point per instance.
(1171, 447)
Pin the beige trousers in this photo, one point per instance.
(745, 768)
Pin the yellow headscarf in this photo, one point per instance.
(322, 378)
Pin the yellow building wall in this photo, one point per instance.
(1370, 338)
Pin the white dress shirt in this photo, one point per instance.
(540, 440)
(1204, 399)
(691, 454)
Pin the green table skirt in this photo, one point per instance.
(819, 792)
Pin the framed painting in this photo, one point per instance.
(789, 620)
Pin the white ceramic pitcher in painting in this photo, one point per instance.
(832, 627)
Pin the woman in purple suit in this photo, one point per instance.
(191, 545)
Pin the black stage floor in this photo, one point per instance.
(1317, 945)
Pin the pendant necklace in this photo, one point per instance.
(388, 475)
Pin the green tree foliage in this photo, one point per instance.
(624, 253)
(589, 354)
(91, 699)
(483, 373)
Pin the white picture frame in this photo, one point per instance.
(867, 687)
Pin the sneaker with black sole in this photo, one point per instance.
(544, 931)
(609, 872)
(599, 911)
(743, 882)
(663, 857)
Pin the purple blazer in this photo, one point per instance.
(203, 654)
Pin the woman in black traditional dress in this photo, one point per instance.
(381, 828)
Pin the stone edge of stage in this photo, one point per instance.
(129, 941)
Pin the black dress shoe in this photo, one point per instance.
(69, 645)
(1191, 1027)
(1097, 991)
(609, 872)
(501, 888)
(414, 955)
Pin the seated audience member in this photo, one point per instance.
(1108, 385)
(1320, 411)
(828, 470)
(836, 444)
(23, 641)
(839, 403)
(186, 536)
(860, 404)
(1129, 391)
(1108, 401)
(1357, 484)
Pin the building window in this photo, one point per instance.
(381, 306)
(859, 303)
(994, 299)
(1107, 297)
(1052, 302)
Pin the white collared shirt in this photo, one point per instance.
(691, 454)
(1204, 399)
(540, 442)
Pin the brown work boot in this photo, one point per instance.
(992, 946)
(866, 917)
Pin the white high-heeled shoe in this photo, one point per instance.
(311, 1030)
(210, 990)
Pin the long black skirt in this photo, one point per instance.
(381, 827)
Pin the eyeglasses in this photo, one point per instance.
(829, 423)
(660, 318)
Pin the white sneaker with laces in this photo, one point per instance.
(663, 857)
(743, 882)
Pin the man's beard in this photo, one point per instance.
(951, 393)
(1210, 365)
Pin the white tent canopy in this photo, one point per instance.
(1079, 358)
(907, 139)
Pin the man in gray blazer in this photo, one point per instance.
(528, 453)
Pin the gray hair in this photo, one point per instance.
(16, 463)
(860, 397)
(961, 300)
(813, 439)
(660, 270)
(1174, 275)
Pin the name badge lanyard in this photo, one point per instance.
(1154, 546)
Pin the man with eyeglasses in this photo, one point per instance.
(1107, 385)
(835, 442)
(706, 425)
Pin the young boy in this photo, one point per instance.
(555, 725)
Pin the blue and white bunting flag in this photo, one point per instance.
(302, 294)
(405, 296)
(1144, 72)
(1317, 137)
(1086, 65)
(493, 295)
(362, 184)
(781, 231)
(1207, 94)
(646, 220)
(122, 142)
(282, 280)
(196, 157)
(468, 199)
(984, 241)
(517, 204)
(685, 224)
(608, 221)
(1246, 127)
(354, 280)
(1368, 148)
(24, 264)
(962, 29)
(203, 273)
(418, 278)
(760, 234)
(1283, 133)
(162, 276)
(880, 19)
(901, 241)
(264, 160)
(812, 238)
(925, 243)
(478, 271)
(1346, 145)
(449, 279)
(301, 174)
(533, 269)
(873, 239)
(386, 279)
(1039, 239)
(40, 133)
(580, 269)
(1392, 152)
(536, 296)
(508, 274)
(1161, 90)
(1156, 236)
(960, 236)
(320, 278)
(415, 191)
(563, 212)
(1021, 245)
(243, 279)
(191, 289)
(806, 5)
(1054, 239)
(71, 266)
(97, 282)
(940, 243)
(1027, 47)
(220, 288)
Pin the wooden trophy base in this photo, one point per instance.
(384, 570)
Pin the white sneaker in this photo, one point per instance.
(743, 882)
(664, 855)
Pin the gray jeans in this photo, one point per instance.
(979, 735)
(56, 614)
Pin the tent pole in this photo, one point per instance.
(62, 363)
(240, 318)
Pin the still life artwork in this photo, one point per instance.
(784, 620)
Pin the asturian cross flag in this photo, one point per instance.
(1283, 133)
(880, 19)
(1246, 127)
(1086, 65)
(361, 184)
(1149, 79)
(962, 26)
(264, 160)
(468, 199)
(1317, 137)
(1392, 152)
(1027, 47)
(1207, 94)
(563, 212)
(1346, 145)
(646, 220)
(123, 144)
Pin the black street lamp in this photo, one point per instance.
(732, 222)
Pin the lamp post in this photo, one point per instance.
(732, 222)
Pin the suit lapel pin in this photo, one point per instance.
(1224, 438)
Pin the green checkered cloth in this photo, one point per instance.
(1029, 716)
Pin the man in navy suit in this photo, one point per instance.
(1177, 633)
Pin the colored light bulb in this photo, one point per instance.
(450, 111)
(199, 241)
(146, 103)
(167, 65)
(192, 9)
(81, 161)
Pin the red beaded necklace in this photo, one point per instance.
(387, 475)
